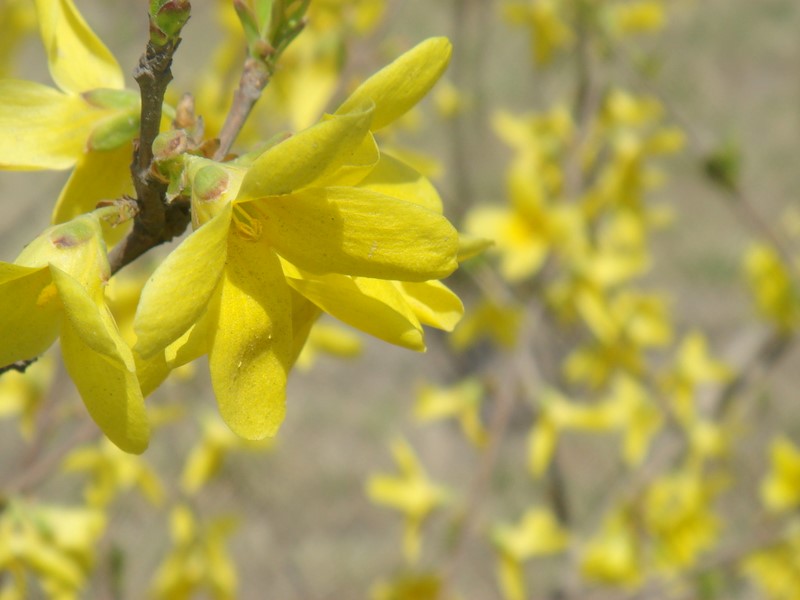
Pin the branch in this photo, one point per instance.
(157, 221)
(255, 77)
(20, 366)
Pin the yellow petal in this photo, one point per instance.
(178, 292)
(153, 370)
(399, 86)
(433, 303)
(30, 312)
(77, 58)
(97, 176)
(371, 305)
(359, 232)
(395, 178)
(93, 323)
(308, 156)
(304, 314)
(42, 128)
(252, 341)
(109, 390)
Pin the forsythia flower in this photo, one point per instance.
(775, 292)
(21, 394)
(198, 562)
(537, 534)
(613, 555)
(411, 493)
(54, 543)
(320, 221)
(113, 472)
(55, 288)
(780, 491)
(89, 121)
(329, 339)
(776, 569)
(206, 458)
(679, 515)
(461, 401)
(546, 20)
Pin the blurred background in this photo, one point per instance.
(726, 74)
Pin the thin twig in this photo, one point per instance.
(157, 221)
(255, 77)
(20, 366)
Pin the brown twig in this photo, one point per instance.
(20, 366)
(157, 221)
(255, 77)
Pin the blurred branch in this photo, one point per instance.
(754, 370)
(738, 201)
(504, 401)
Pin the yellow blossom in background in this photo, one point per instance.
(780, 490)
(54, 544)
(461, 401)
(641, 16)
(776, 569)
(693, 366)
(537, 534)
(21, 395)
(527, 230)
(410, 586)
(198, 562)
(613, 556)
(113, 473)
(412, 493)
(498, 323)
(208, 455)
(327, 338)
(627, 409)
(450, 101)
(680, 517)
(550, 31)
(773, 287)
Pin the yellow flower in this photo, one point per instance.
(613, 555)
(55, 289)
(21, 394)
(412, 493)
(113, 472)
(775, 292)
(329, 339)
(641, 16)
(320, 221)
(550, 31)
(89, 121)
(780, 491)
(207, 456)
(776, 570)
(55, 544)
(537, 534)
(679, 516)
(461, 401)
(693, 367)
(199, 561)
